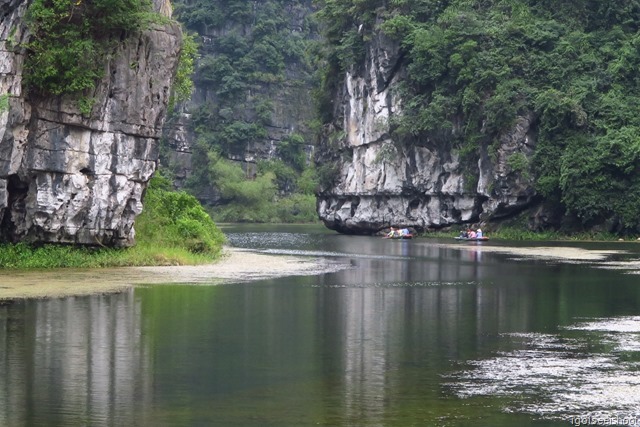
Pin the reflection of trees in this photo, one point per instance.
(83, 371)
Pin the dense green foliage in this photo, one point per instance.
(473, 66)
(176, 219)
(183, 83)
(174, 229)
(258, 58)
(71, 38)
(258, 199)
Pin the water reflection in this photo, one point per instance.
(414, 334)
(367, 330)
(71, 360)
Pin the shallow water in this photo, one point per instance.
(420, 332)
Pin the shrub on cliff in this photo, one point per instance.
(70, 40)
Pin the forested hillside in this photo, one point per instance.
(250, 117)
(471, 68)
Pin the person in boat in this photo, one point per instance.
(405, 232)
(479, 233)
(472, 234)
(392, 232)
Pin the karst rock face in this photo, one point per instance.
(66, 177)
(380, 182)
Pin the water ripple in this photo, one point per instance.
(564, 377)
(397, 285)
(330, 254)
(265, 240)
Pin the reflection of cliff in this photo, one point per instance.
(84, 372)
(317, 348)
(386, 330)
(367, 337)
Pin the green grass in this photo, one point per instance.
(292, 209)
(24, 256)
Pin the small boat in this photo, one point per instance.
(473, 239)
(399, 236)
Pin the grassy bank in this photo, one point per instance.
(173, 229)
(23, 256)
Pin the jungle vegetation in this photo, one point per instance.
(473, 66)
(254, 56)
(70, 40)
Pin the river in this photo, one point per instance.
(422, 332)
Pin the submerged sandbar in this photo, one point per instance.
(236, 265)
(565, 253)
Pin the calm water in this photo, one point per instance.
(415, 333)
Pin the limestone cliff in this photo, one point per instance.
(381, 181)
(74, 178)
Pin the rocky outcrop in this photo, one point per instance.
(382, 182)
(79, 178)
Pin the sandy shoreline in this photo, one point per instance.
(235, 266)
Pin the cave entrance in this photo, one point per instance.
(16, 193)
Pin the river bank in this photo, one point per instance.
(241, 265)
(236, 265)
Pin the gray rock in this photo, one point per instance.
(381, 182)
(70, 178)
